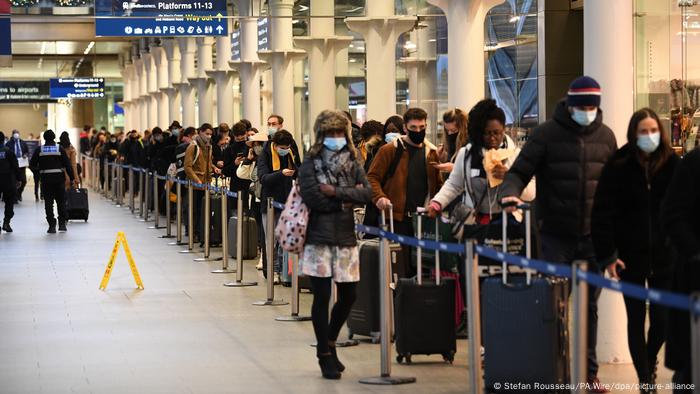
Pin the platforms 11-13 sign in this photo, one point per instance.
(77, 88)
(152, 18)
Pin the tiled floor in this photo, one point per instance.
(185, 333)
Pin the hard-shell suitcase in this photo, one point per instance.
(250, 237)
(424, 314)
(364, 314)
(525, 332)
(286, 274)
(77, 205)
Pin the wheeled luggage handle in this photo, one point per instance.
(419, 250)
(528, 240)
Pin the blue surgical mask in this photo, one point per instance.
(282, 152)
(390, 137)
(648, 143)
(271, 130)
(335, 143)
(176, 132)
(584, 118)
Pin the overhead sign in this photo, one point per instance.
(263, 34)
(25, 92)
(143, 18)
(5, 34)
(77, 88)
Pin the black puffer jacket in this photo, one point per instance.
(329, 222)
(567, 160)
(626, 215)
(274, 183)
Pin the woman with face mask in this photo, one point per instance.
(627, 235)
(64, 141)
(331, 182)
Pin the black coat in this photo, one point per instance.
(159, 156)
(329, 222)
(229, 158)
(134, 153)
(11, 143)
(680, 219)
(626, 215)
(274, 183)
(567, 160)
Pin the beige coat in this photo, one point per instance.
(198, 165)
(73, 157)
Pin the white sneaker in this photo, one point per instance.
(276, 278)
(259, 266)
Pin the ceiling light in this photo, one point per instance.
(432, 40)
(89, 47)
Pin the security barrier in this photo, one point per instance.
(578, 274)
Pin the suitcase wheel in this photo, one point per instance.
(350, 335)
(449, 357)
(376, 339)
(400, 358)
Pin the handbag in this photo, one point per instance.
(293, 223)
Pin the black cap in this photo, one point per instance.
(49, 135)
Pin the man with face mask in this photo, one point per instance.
(274, 124)
(21, 151)
(233, 156)
(199, 169)
(403, 176)
(567, 155)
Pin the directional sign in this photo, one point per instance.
(77, 88)
(263, 34)
(25, 92)
(139, 18)
(5, 38)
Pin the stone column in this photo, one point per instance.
(381, 29)
(172, 54)
(420, 67)
(223, 75)
(187, 51)
(161, 63)
(203, 84)
(466, 76)
(249, 66)
(151, 88)
(611, 63)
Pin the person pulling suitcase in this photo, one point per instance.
(52, 161)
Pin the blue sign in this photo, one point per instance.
(143, 18)
(236, 45)
(263, 34)
(118, 109)
(77, 88)
(5, 35)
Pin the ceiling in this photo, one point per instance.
(66, 47)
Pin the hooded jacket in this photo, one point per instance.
(567, 160)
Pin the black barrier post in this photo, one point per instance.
(474, 320)
(270, 245)
(239, 246)
(695, 339)
(579, 293)
(295, 295)
(224, 236)
(190, 219)
(206, 215)
(168, 214)
(178, 214)
(385, 300)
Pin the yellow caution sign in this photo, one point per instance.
(121, 240)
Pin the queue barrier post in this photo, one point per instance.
(142, 203)
(132, 207)
(224, 236)
(474, 321)
(190, 219)
(206, 215)
(156, 204)
(168, 213)
(294, 316)
(270, 245)
(579, 294)
(239, 246)
(178, 214)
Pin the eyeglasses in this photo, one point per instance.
(494, 134)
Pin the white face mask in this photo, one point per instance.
(16, 136)
(648, 143)
(584, 118)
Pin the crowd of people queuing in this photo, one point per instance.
(631, 212)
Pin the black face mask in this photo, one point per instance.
(452, 143)
(417, 137)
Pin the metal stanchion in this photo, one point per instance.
(224, 236)
(141, 201)
(190, 219)
(132, 208)
(168, 214)
(239, 246)
(695, 339)
(471, 270)
(295, 295)
(579, 292)
(270, 245)
(178, 215)
(147, 197)
(385, 300)
(156, 207)
(206, 215)
(113, 184)
(120, 175)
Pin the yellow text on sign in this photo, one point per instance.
(121, 240)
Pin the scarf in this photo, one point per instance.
(335, 168)
(276, 164)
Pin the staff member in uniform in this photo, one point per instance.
(52, 160)
(9, 175)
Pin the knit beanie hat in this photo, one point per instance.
(49, 135)
(583, 92)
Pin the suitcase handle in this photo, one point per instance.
(419, 251)
(528, 242)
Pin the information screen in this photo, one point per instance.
(77, 88)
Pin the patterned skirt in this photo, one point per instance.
(326, 261)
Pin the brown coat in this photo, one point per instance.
(73, 157)
(395, 187)
(198, 171)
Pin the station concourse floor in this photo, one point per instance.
(185, 333)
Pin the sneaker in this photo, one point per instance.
(62, 227)
(259, 267)
(594, 386)
(276, 279)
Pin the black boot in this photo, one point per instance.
(328, 368)
(6, 226)
(62, 227)
(52, 228)
(338, 364)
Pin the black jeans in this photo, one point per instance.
(54, 192)
(325, 331)
(404, 267)
(23, 182)
(644, 351)
(198, 196)
(7, 194)
(566, 250)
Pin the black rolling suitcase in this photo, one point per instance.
(250, 237)
(424, 316)
(77, 205)
(524, 326)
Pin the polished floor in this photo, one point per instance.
(185, 333)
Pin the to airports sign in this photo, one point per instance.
(25, 92)
(77, 88)
(153, 18)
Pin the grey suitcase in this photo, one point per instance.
(250, 237)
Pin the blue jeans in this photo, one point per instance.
(277, 257)
(565, 250)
